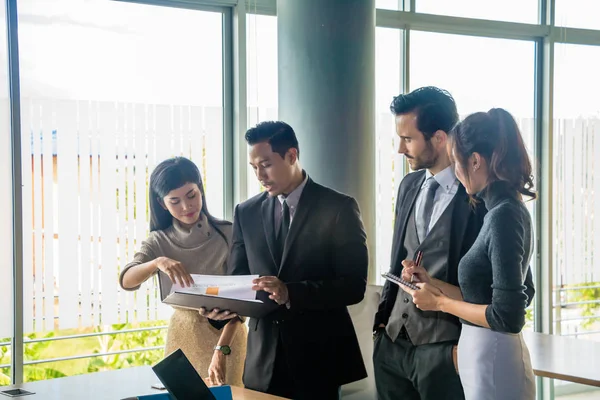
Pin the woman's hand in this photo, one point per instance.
(217, 369)
(427, 297)
(413, 273)
(174, 270)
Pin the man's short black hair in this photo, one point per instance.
(434, 107)
(278, 134)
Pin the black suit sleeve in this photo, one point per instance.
(350, 260)
(238, 260)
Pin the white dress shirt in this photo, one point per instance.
(292, 200)
(443, 195)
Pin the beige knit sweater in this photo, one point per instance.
(201, 251)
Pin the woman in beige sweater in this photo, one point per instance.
(185, 239)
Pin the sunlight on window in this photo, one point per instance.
(109, 89)
(576, 192)
(261, 55)
(389, 165)
(578, 13)
(501, 10)
(480, 73)
(389, 4)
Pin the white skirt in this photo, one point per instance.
(494, 365)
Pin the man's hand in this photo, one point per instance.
(216, 314)
(271, 284)
(217, 368)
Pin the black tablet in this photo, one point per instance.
(181, 379)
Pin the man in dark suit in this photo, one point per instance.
(308, 244)
(414, 351)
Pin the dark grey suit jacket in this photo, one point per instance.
(324, 265)
(466, 223)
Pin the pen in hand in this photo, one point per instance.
(418, 259)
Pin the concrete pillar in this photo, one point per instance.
(326, 55)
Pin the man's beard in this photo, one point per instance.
(426, 160)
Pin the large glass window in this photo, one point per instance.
(484, 9)
(6, 214)
(261, 54)
(502, 10)
(109, 89)
(481, 73)
(389, 164)
(389, 4)
(578, 13)
(576, 192)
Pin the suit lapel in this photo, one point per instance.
(268, 219)
(305, 204)
(408, 202)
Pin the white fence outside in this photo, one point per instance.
(85, 187)
(85, 176)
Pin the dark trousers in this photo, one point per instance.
(282, 383)
(407, 372)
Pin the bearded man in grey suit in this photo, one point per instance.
(414, 351)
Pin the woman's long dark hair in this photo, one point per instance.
(496, 137)
(169, 175)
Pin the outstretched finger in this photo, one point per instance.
(172, 276)
(212, 377)
(181, 279)
(185, 277)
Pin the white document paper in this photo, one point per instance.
(230, 286)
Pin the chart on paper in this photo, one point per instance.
(232, 287)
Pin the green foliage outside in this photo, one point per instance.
(87, 345)
(154, 338)
(591, 294)
(529, 315)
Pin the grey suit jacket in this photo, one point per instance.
(466, 223)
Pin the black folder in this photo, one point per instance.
(243, 308)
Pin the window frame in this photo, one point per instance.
(544, 34)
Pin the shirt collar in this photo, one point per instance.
(446, 178)
(293, 198)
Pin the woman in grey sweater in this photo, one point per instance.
(185, 239)
(494, 275)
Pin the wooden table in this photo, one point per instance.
(110, 385)
(564, 358)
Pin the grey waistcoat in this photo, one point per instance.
(426, 326)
